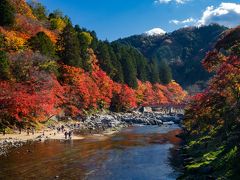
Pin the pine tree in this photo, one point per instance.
(42, 43)
(153, 72)
(7, 13)
(117, 67)
(165, 72)
(69, 47)
(141, 68)
(129, 70)
(38, 10)
(105, 58)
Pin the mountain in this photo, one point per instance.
(155, 32)
(182, 49)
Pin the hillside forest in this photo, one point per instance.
(48, 67)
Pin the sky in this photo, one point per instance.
(114, 19)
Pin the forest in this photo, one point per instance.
(183, 50)
(49, 68)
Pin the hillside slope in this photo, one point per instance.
(182, 49)
(50, 68)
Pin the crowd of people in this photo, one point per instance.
(66, 131)
(67, 134)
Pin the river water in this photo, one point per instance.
(135, 153)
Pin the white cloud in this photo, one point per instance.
(227, 14)
(155, 32)
(183, 22)
(168, 1)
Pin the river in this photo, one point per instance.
(135, 153)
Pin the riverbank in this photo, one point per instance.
(99, 126)
(211, 155)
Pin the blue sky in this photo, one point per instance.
(113, 19)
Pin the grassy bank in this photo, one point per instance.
(211, 155)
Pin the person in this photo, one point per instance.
(70, 134)
(20, 130)
(28, 131)
(62, 128)
(66, 134)
(32, 130)
(4, 132)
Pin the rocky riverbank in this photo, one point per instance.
(95, 125)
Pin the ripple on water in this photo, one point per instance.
(140, 152)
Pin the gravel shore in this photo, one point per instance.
(97, 126)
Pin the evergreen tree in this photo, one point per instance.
(165, 72)
(85, 39)
(141, 68)
(42, 43)
(7, 13)
(129, 70)
(153, 71)
(117, 67)
(69, 47)
(94, 43)
(38, 10)
(56, 14)
(4, 66)
(105, 58)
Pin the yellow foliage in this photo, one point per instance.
(14, 43)
(13, 40)
(58, 24)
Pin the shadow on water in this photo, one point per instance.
(139, 152)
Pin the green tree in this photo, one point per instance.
(94, 43)
(38, 10)
(165, 72)
(141, 64)
(154, 71)
(69, 47)
(42, 43)
(117, 72)
(4, 66)
(56, 14)
(85, 39)
(57, 24)
(104, 58)
(129, 70)
(7, 13)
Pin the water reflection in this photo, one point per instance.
(140, 152)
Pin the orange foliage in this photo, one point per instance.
(127, 97)
(157, 94)
(30, 27)
(105, 86)
(160, 97)
(13, 39)
(177, 94)
(80, 90)
(30, 101)
(22, 7)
